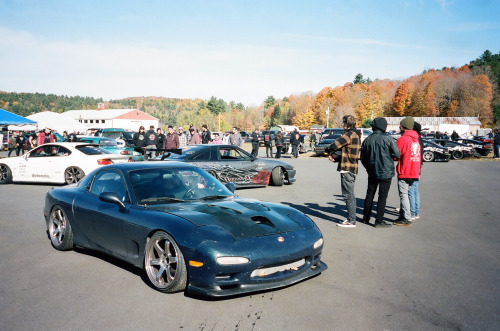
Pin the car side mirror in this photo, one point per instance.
(231, 187)
(112, 197)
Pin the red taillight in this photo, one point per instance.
(125, 153)
(487, 146)
(104, 161)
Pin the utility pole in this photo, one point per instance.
(328, 117)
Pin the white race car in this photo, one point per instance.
(63, 162)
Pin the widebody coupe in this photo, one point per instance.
(232, 164)
(186, 229)
(64, 163)
(435, 152)
(457, 150)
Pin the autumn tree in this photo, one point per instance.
(402, 99)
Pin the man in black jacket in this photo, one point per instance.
(378, 152)
(255, 142)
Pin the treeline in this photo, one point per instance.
(471, 90)
(25, 104)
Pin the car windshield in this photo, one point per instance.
(91, 150)
(112, 134)
(167, 185)
(431, 144)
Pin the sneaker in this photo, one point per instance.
(417, 217)
(383, 224)
(347, 224)
(402, 222)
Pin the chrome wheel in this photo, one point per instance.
(73, 175)
(165, 264)
(60, 233)
(428, 156)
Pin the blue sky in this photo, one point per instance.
(237, 50)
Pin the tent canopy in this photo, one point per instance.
(7, 118)
(57, 122)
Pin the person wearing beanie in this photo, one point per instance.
(349, 144)
(414, 194)
(378, 152)
(408, 167)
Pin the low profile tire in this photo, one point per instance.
(60, 232)
(5, 174)
(164, 263)
(457, 155)
(428, 156)
(277, 176)
(73, 175)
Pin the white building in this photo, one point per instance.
(442, 124)
(128, 119)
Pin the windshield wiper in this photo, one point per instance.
(213, 197)
(162, 199)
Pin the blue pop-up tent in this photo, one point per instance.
(8, 118)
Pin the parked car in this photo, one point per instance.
(457, 150)
(113, 146)
(365, 132)
(57, 163)
(483, 148)
(303, 148)
(186, 230)
(435, 152)
(123, 137)
(232, 164)
(321, 147)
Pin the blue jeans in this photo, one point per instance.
(347, 180)
(404, 188)
(496, 150)
(414, 197)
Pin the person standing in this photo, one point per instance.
(414, 194)
(454, 135)
(20, 141)
(32, 140)
(408, 168)
(182, 137)
(206, 136)
(268, 142)
(295, 142)
(496, 144)
(312, 140)
(349, 144)
(279, 144)
(225, 138)
(255, 142)
(378, 152)
(139, 139)
(195, 136)
(12, 144)
(235, 138)
(45, 137)
(217, 140)
(171, 139)
(161, 139)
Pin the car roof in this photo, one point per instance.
(129, 166)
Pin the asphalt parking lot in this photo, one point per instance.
(441, 273)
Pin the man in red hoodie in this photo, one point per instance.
(408, 167)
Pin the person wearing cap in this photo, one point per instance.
(182, 137)
(378, 152)
(349, 144)
(408, 167)
(414, 194)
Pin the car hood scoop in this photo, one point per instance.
(239, 218)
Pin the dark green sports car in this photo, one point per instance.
(186, 229)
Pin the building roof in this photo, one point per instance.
(437, 120)
(108, 114)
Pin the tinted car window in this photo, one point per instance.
(109, 181)
(92, 150)
(50, 150)
(231, 153)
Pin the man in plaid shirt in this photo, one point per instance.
(349, 144)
